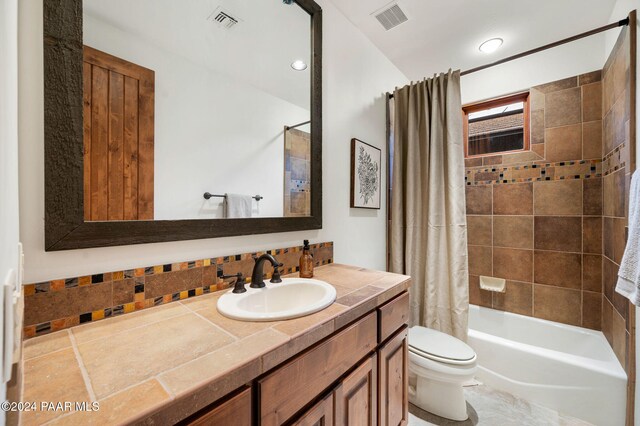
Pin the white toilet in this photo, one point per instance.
(439, 364)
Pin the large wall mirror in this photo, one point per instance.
(169, 120)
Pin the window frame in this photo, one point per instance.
(492, 103)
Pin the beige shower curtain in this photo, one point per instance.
(428, 224)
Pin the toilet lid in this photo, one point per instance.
(438, 344)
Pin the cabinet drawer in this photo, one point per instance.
(234, 411)
(393, 315)
(292, 386)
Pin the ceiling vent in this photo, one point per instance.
(391, 16)
(223, 19)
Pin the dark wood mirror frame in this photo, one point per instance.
(65, 227)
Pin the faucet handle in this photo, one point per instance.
(238, 286)
(275, 278)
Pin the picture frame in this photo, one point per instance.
(366, 175)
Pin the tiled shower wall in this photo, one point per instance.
(618, 317)
(535, 218)
(553, 221)
(58, 304)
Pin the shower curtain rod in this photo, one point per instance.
(621, 23)
(296, 125)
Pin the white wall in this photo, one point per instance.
(356, 76)
(212, 132)
(9, 218)
(554, 64)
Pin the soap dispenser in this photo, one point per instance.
(306, 261)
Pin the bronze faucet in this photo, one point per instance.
(258, 274)
(238, 287)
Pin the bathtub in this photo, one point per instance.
(570, 369)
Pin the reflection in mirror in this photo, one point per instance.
(187, 98)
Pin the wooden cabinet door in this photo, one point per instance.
(320, 415)
(393, 370)
(118, 111)
(356, 397)
(234, 411)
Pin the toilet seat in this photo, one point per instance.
(440, 371)
(442, 360)
(440, 347)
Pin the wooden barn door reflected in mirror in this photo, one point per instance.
(118, 107)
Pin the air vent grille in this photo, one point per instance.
(391, 17)
(223, 18)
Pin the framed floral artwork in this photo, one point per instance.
(366, 172)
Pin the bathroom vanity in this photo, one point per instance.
(185, 363)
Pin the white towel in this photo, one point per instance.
(629, 273)
(237, 205)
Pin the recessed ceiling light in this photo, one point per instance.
(491, 45)
(298, 65)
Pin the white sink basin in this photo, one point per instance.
(292, 298)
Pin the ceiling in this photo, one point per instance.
(443, 34)
(258, 50)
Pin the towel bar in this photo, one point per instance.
(208, 195)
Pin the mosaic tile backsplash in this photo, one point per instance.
(59, 304)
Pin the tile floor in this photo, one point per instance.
(489, 407)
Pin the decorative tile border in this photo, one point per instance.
(536, 172)
(614, 160)
(615, 169)
(135, 289)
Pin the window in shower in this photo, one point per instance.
(496, 126)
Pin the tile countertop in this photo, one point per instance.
(158, 365)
